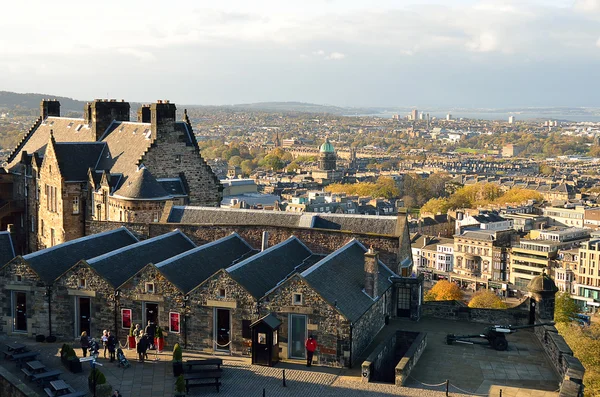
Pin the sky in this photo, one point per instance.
(425, 53)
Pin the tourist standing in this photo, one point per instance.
(150, 331)
(85, 343)
(112, 346)
(142, 346)
(104, 339)
(311, 346)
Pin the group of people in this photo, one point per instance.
(109, 343)
(144, 340)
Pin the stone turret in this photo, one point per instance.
(543, 291)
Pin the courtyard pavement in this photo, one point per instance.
(523, 370)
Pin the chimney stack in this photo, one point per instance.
(265, 241)
(162, 117)
(143, 114)
(103, 112)
(371, 272)
(49, 108)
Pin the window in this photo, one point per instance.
(221, 292)
(178, 158)
(18, 277)
(297, 299)
(76, 205)
(156, 216)
(149, 288)
(42, 228)
(52, 237)
(32, 223)
(82, 283)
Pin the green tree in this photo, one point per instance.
(565, 308)
(585, 343)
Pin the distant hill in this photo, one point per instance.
(12, 100)
(303, 107)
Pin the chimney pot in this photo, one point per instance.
(265, 241)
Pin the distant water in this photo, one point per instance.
(496, 116)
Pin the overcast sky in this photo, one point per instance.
(340, 52)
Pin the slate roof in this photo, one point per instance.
(50, 263)
(7, 250)
(262, 272)
(340, 279)
(488, 217)
(390, 225)
(479, 235)
(191, 268)
(270, 319)
(141, 185)
(64, 129)
(75, 159)
(173, 186)
(127, 142)
(120, 265)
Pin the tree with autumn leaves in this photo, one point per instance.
(486, 299)
(444, 290)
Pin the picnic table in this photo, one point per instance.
(211, 361)
(198, 380)
(59, 387)
(33, 368)
(46, 376)
(12, 348)
(19, 359)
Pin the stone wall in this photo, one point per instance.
(330, 329)
(382, 357)
(368, 326)
(205, 298)
(410, 359)
(454, 310)
(321, 241)
(568, 367)
(11, 386)
(169, 156)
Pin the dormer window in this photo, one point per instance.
(150, 288)
(82, 283)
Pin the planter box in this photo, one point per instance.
(159, 344)
(73, 365)
(131, 340)
(177, 369)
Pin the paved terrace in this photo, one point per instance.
(521, 371)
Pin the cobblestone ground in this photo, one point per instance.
(154, 378)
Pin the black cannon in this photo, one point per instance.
(494, 336)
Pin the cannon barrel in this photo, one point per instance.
(525, 326)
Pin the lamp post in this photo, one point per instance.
(116, 297)
(185, 317)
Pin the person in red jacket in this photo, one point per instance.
(311, 346)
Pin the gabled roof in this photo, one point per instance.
(340, 279)
(119, 265)
(270, 319)
(64, 129)
(7, 251)
(51, 262)
(75, 159)
(190, 268)
(263, 271)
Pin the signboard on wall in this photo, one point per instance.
(126, 318)
(174, 322)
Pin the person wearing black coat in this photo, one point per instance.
(112, 346)
(150, 331)
(142, 346)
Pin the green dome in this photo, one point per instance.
(327, 147)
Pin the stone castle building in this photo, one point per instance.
(327, 172)
(101, 167)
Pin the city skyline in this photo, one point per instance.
(470, 54)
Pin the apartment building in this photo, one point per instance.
(571, 217)
(482, 254)
(529, 259)
(587, 281)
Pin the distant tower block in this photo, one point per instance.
(414, 114)
(448, 117)
(511, 119)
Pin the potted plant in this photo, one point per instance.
(69, 359)
(131, 337)
(177, 360)
(180, 386)
(98, 376)
(159, 339)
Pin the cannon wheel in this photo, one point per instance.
(500, 343)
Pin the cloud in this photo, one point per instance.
(485, 42)
(587, 5)
(320, 52)
(598, 42)
(143, 56)
(335, 56)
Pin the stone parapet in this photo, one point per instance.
(410, 359)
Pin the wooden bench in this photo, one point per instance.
(211, 361)
(46, 376)
(191, 378)
(26, 372)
